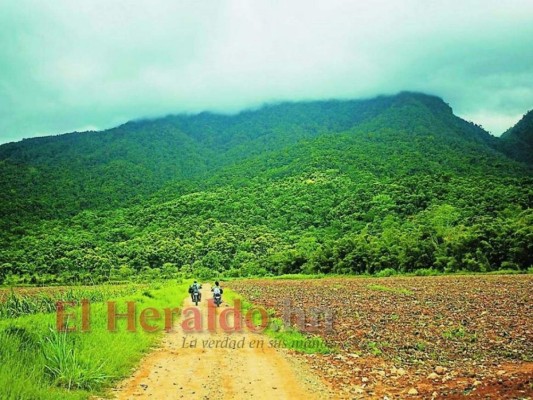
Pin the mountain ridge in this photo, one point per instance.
(517, 141)
(356, 186)
(140, 157)
(430, 100)
(200, 126)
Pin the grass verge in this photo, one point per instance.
(38, 362)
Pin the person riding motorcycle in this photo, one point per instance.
(195, 288)
(217, 293)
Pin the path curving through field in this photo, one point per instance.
(175, 371)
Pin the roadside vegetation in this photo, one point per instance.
(40, 362)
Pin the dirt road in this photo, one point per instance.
(175, 371)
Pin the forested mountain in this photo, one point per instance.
(517, 142)
(57, 176)
(331, 186)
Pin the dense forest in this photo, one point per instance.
(392, 183)
(517, 142)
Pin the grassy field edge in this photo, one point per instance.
(38, 362)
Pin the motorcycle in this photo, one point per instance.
(195, 298)
(194, 291)
(217, 298)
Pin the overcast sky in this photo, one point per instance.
(80, 65)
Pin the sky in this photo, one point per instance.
(89, 65)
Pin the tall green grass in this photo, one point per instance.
(63, 366)
(16, 304)
(38, 362)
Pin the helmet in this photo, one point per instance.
(216, 283)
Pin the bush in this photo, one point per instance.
(386, 273)
(426, 272)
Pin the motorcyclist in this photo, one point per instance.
(195, 288)
(217, 290)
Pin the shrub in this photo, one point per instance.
(386, 273)
(426, 272)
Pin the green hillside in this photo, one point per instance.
(517, 142)
(394, 182)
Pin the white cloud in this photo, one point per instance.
(65, 64)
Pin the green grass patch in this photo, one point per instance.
(63, 366)
(38, 362)
(382, 288)
(384, 273)
(421, 346)
(299, 276)
(459, 333)
(510, 272)
(374, 348)
(426, 272)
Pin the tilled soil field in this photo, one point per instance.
(426, 337)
